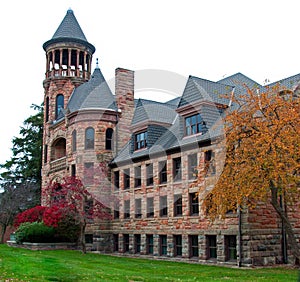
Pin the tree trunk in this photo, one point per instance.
(82, 237)
(3, 230)
(286, 223)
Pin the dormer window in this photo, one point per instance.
(194, 124)
(140, 140)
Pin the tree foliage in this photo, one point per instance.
(21, 175)
(14, 199)
(25, 164)
(263, 155)
(69, 196)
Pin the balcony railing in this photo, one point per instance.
(58, 164)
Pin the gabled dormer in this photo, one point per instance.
(150, 121)
(201, 105)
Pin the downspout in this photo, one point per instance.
(240, 236)
(283, 234)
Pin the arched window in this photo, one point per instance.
(59, 104)
(109, 139)
(89, 138)
(47, 109)
(74, 141)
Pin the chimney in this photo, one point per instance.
(124, 91)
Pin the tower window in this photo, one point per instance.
(109, 139)
(74, 145)
(47, 109)
(89, 138)
(59, 104)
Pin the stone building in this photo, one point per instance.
(151, 150)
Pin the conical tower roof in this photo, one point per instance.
(94, 94)
(69, 31)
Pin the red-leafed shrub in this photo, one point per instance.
(63, 218)
(31, 215)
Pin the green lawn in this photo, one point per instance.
(25, 265)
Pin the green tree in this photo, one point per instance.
(20, 177)
(26, 162)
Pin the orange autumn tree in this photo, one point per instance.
(262, 156)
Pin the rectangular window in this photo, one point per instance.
(126, 242)
(177, 245)
(127, 209)
(192, 166)
(117, 179)
(211, 242)
(137, 176)
(163, 245)
(88, 238)
(140, 140)
(45, 153)
(178, 205)
(163, 206)
(116, 210)
(194, 204)
(162, 172)
(137, 243)
(150, 207)
(230, 247)
(177, 169)
(126, 178)
(149, 244)
(116, 242)
(194, 124)
(193, 246)
(209, 159)
(149, 173)
(138, 208)
(73, 170)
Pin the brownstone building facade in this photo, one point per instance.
(151, 150)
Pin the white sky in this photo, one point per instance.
(209, 39)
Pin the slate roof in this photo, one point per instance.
(152, 111)
(198, 89)
(94, 94)
(238, 81)
(290, 82)
(69, 31)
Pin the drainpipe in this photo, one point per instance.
(283, 234)
(240, 236)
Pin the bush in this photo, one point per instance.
(65, 221)
(35, 232)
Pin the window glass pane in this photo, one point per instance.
(89, 138)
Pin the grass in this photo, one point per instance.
(25, 265)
